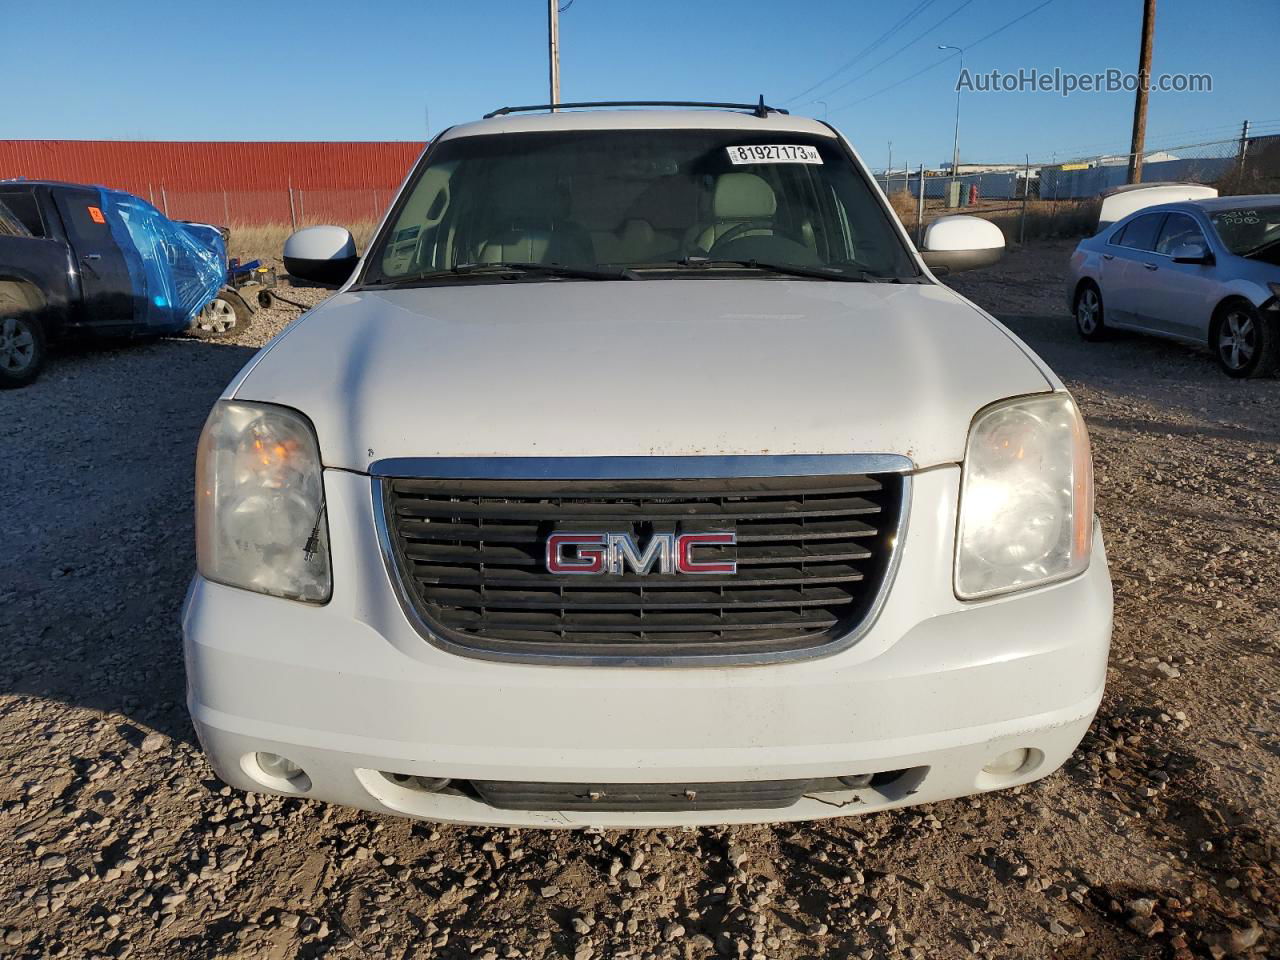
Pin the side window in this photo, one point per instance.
(22, 204)
(1141, 232)
(1178, 229)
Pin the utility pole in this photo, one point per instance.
(553, 49)
(955, 143)
(1244, 147)
(1138, 143)
(889, 172)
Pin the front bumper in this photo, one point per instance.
(350, 691)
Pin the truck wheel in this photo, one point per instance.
(224, 316)
(22, 343)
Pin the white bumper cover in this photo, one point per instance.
(350, 690)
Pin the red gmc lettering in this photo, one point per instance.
(590, 558)
(684, 553)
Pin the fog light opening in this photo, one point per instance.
(413, 782)
(1014, 763)
(278, 773)
(1011, 761)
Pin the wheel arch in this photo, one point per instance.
(1085, 281)
(15, 286)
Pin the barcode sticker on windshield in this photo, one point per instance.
(773, 153)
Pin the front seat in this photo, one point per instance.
(525, 227)
(738, 198)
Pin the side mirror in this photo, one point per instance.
(961, 243)
(1192, 253)
(323, 255)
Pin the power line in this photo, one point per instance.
(933, 66)
(911, 14)
(912, 42)
(1176, 138)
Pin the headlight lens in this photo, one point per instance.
(260, 520)
(1026, 497)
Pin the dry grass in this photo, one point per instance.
(265, 241)
(904, 205)
(1046, 219)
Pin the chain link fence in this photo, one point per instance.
(288, 206)
(1053, 198)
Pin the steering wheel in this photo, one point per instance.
(739, 229)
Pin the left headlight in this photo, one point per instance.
(260, 521)
(1026, 497)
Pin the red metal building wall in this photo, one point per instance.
(228, 181)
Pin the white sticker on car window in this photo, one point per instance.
(773, 153)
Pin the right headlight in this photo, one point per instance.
(1026, 497)
(260, 521)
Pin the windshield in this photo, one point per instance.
(1249, 230)
(614, 202)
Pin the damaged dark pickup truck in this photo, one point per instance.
(87, 261)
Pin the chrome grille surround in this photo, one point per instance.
(896, 470)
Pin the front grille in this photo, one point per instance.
(674, 797)
(812, 555)
(650, 797)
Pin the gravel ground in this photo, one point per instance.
(1158, 839)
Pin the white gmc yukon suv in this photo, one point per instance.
(642, 473)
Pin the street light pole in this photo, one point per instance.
(824, 108)
(955, 144)
(553, 49)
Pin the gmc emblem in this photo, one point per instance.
(599, 553)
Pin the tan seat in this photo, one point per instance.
(527, 227)
(738, 198)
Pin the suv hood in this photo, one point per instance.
(631, 368)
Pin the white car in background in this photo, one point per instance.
(1205, 272)
(643, 473)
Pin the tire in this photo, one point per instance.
(1245, 343)
(223, 317)
(1090, 315)
(22, 336)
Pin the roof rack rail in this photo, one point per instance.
(760, 109)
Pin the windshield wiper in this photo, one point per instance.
(462, 270)
(1254, 251)
(546, 269)
(786, 269)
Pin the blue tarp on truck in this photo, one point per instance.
(179, 266)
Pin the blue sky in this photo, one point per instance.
(326, 69)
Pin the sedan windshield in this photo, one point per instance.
(630, 204)
(1250, 231)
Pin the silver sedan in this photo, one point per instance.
(1205, 272)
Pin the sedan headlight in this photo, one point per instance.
(260, 520)
(1026, 497)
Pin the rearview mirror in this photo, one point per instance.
(961, 243)
(323, 255)
(1192, 253)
